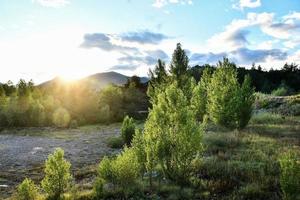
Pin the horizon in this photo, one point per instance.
(43, 39)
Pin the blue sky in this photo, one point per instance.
(41, 39)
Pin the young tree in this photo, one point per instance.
(245, 103)
(128, 130)
(27, 190)
(222, 91)
(199, 96)
(57, 175)
(179, 64)
(229, 104)
(173, 137)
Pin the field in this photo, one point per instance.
(236, 165)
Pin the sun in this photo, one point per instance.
(70, 76)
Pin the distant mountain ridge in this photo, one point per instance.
(95, 81)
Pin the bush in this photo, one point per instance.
(98, 188)
(267, 118)
(128, 130)
(61, 117)
(281, 91)
(27, 190)
(115, 142)
(73, 124)
(122, 171)
(290, 175)
(57, 174)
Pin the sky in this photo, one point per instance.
(42, 39)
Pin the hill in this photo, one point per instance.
(94, 81)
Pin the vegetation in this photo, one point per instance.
(290, 175)
(27, 191)
(57, 175)
(199, 141)
(127, 130)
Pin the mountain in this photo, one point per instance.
(95, 81)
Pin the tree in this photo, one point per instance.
(199, 97)
(229, 104)
(158, 78)
(245, 103)
(128, 130)
(27, 190)
(179, 64)
(173, 137)
(61, 117)
(222, 91)
(57, 175)
(112, 98)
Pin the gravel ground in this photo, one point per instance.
(23, 155)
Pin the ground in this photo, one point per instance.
(23, 152)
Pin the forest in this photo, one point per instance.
(202, 132)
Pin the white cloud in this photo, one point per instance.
(52, 3)
(247, 4)
(162, 3)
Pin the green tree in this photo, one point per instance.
(128, 130)
(245, 103)
(173, 137)
(290, 175)
(111, 97)
(57, 175)
(179, 64)
(61, 117)
(27, 190)
(199, 97)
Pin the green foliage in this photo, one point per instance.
(281, 91)
(172, 135)
(122, 171)
(98, 188)
(57, 175)
(199, 97)
(290, 175)
(229, 104)
(27, 190)
(61, 117)
(245, 103)
(73, 124)
(267, 118)
(115, 142)
(128, 130)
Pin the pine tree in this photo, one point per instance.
(173, 137)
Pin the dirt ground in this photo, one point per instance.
(24, 151)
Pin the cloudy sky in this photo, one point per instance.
(41, 39)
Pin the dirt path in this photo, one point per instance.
(23, 152)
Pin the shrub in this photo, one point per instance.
(122, 171)
(98, 188)
(128, 130)
(115, 142)
(27, 190)
(73, 124)
(267, 118)
(61, 117)
(290, 175)
(57, 174)
(281, 91)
